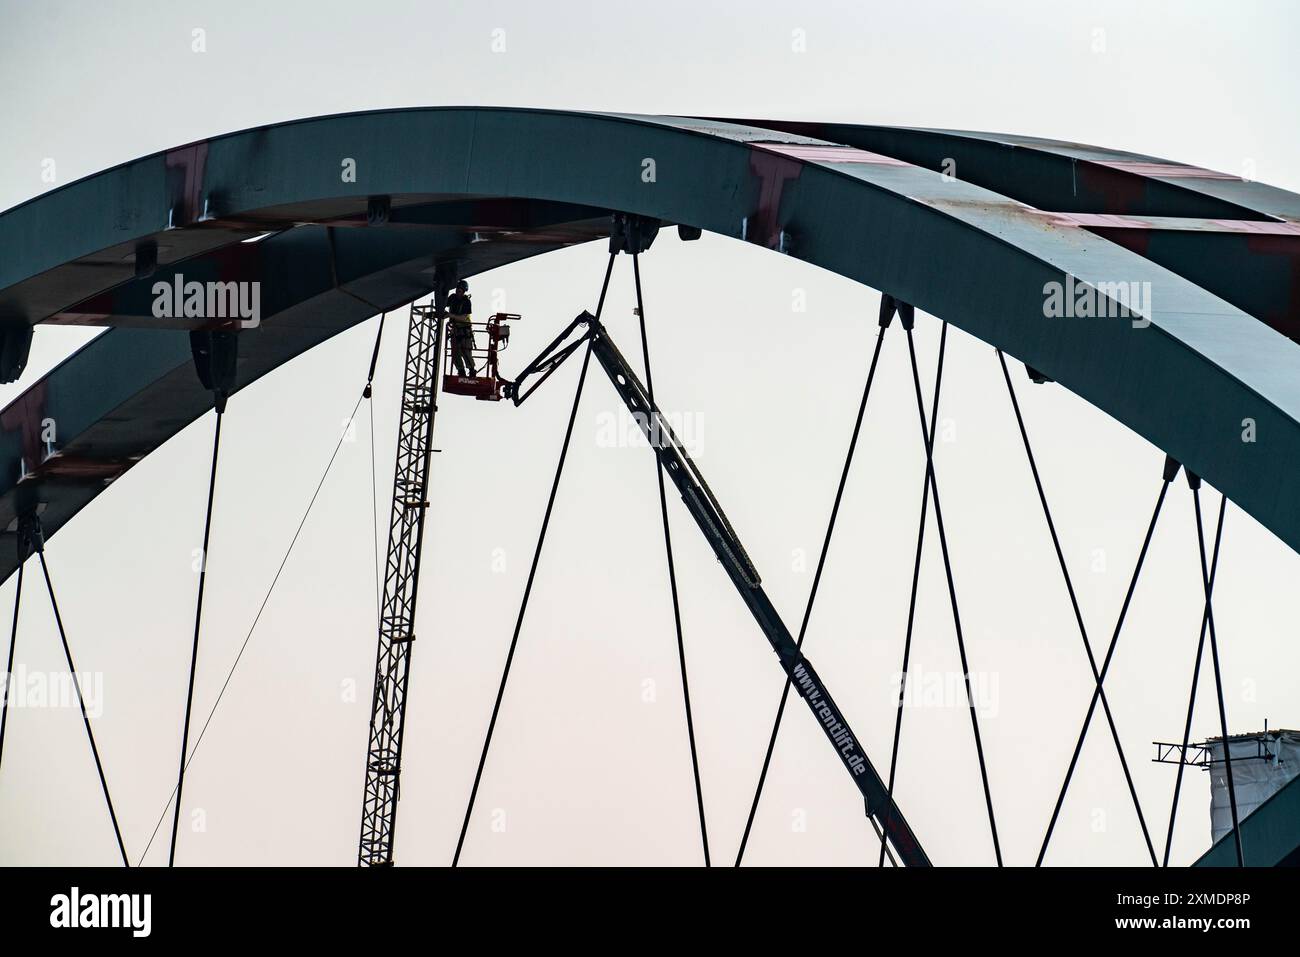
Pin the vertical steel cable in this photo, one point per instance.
(1105, 665)
(9, 666)
(367, 393)
(532, 572)
(194, 653)
(812, 594)
(927, 438)
(672, 570)
(81, 702)
(1196, 673)
(1218, 677)
(1074, 603)
(911, 604)
(248, 636)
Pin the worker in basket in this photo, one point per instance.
(462, 333)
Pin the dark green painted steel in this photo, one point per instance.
(1060, 176)
(1204, 226)
(973, 256)
(1270, 836)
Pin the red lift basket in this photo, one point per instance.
(487, 385)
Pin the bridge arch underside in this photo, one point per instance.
(1216, 260)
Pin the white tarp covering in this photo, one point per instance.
(1256, 778)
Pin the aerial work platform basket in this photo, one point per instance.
(485, 340)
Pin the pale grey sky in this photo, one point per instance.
(585, 769)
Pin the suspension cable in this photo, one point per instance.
(374, 356)
(13, 643)
(81, 702)
(198, 621)
(532, 572)
(927, 438)
(1196, 673)
(258, 617)
(916, 577)
(366, 394)
(1171, 470)
(812, 594)
(1074, 604)
(1218, 677)
(672, 572)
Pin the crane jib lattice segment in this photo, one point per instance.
(401, 581)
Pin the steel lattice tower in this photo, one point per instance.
(401, 582)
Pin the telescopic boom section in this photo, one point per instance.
(708, 515)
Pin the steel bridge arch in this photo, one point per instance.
(480, 187)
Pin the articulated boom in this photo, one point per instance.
(708, 515)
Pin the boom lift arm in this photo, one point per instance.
(708, 515)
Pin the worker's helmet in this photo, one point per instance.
(462, 286)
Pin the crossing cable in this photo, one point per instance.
(1074, 603)
(81, 702)
(916, 577)
(1170, 472)
(927, 438)
(1196, 673)
(257, 618)
(198, 621)
(261, 608)
(13, 642)
(672, 570)
(1214, 657)
(532, 571)
(816, 582)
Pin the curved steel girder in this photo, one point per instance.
(1066, 177)
(954, 249)
(1238, 239)
(131, 389)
